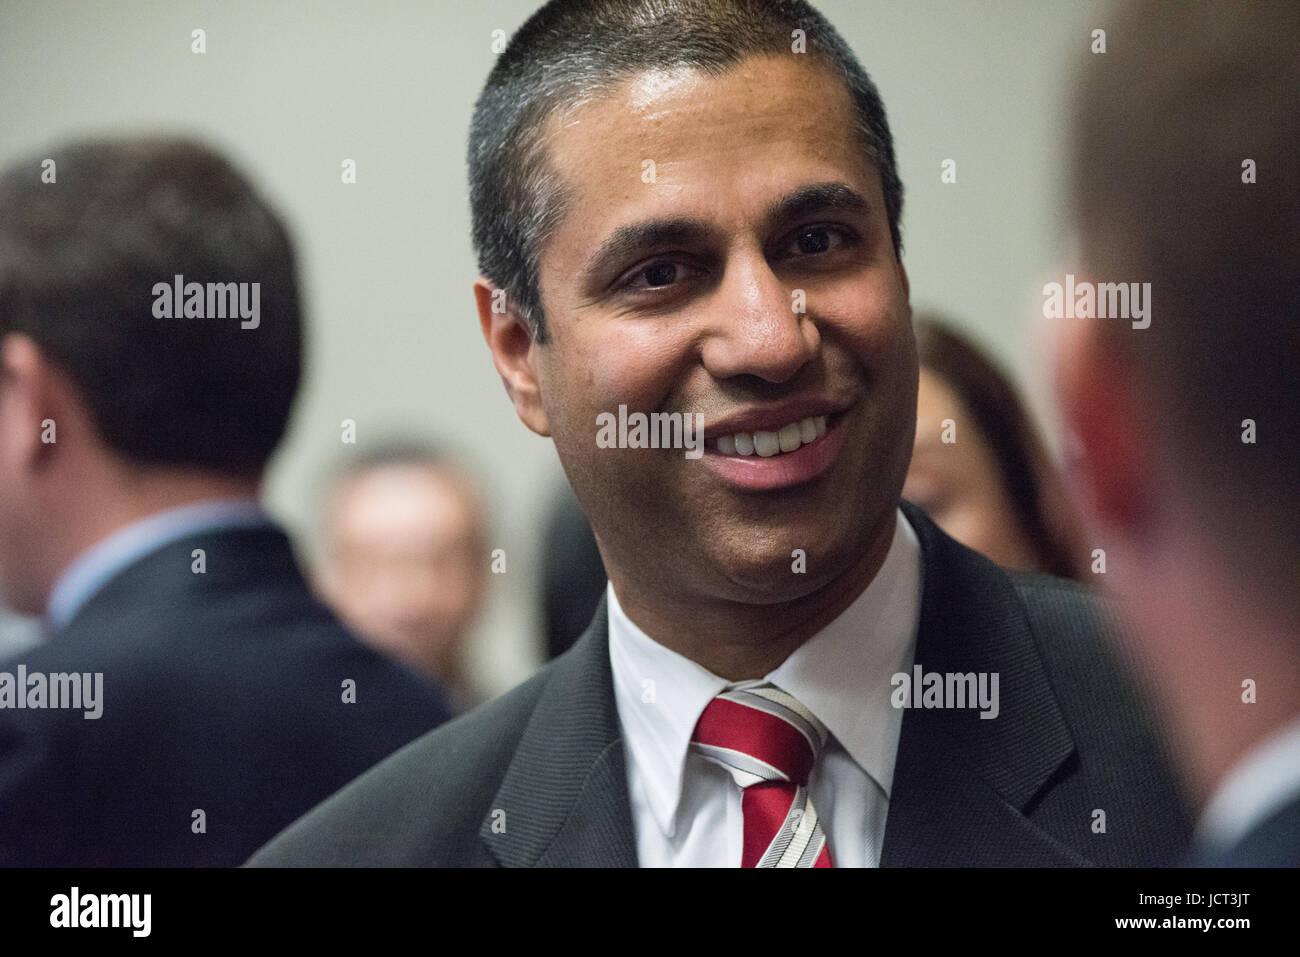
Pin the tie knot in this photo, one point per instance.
(760, 733)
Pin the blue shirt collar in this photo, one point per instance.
(98, 565)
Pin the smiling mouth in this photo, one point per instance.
(760, 461)
(768, 444)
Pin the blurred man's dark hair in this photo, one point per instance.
(78, 260)
(1161, 194)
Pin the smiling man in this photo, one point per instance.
(693, 208)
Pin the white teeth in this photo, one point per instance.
(786, 439)
(789, 437)
(766, 444)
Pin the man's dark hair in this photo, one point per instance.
(1168, 118)
(572, 49)
(79, 258)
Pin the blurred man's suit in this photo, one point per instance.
(538, 777)
(222, 692)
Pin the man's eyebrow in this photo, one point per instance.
(816, 198)
(628, 240)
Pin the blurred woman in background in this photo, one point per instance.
(985, 477)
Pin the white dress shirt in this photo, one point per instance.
(686, 810)
(1259, 785)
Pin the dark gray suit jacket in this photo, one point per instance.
(221, 692)
(537, 777)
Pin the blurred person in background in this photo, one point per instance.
(404, 560)
(573, 575)
(190, 697)
(980, 468)
(1187, 421)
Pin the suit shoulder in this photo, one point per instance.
(1078, 632)
(423, 805)
(1079, 637)
(1051, 600)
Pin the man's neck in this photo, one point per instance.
(1222, 661)
(1221, 717)
(130, 498)
(737, 640)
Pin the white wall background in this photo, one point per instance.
(290, 89)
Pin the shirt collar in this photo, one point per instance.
(842, 674)
(1257, 786)
(99, 564)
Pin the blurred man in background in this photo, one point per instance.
(1188, 421)
(404, 560)
(980, 468)
(191, 697)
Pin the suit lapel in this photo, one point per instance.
(963, 785)
(564, 796)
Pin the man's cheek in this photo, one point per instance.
(588, 445)
(880, 340)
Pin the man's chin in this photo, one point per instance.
(770, 566)
(774, 579)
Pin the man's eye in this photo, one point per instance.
(819, 240)
(656, 276)
(660, 274)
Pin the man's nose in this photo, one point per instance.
(754, 327)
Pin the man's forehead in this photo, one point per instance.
(664, 136)
(685, 109)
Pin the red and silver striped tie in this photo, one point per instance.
(769, 743)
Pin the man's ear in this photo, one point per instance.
(28, 398)
(1109, 455)
(513, 353)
